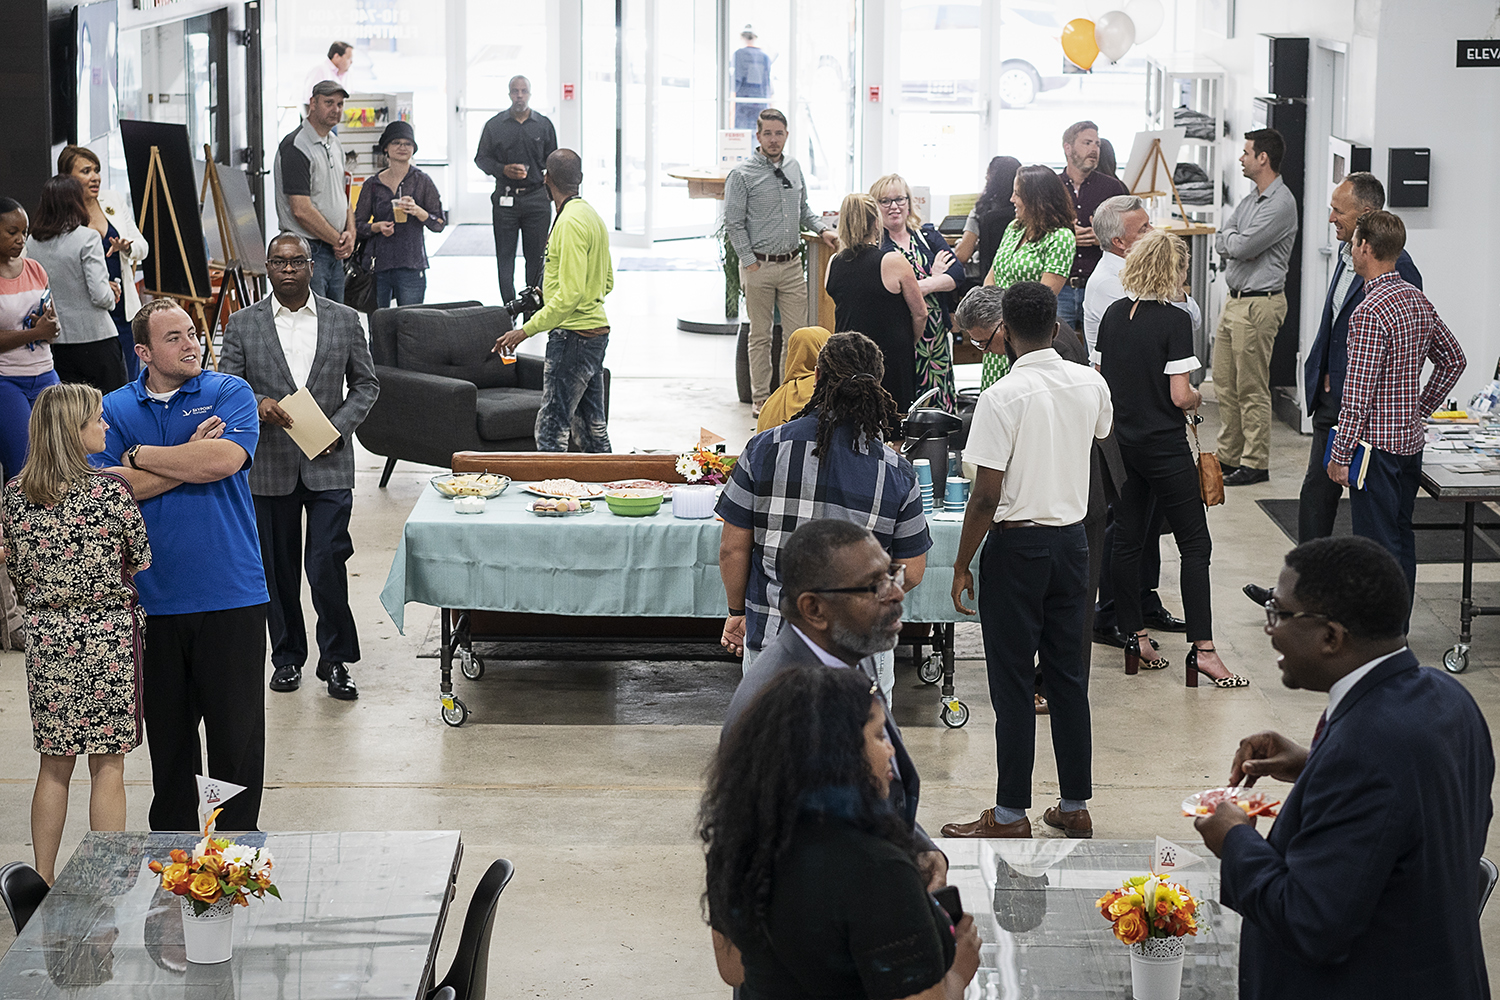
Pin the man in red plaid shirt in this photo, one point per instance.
(1391, 333)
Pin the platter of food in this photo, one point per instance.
(560, 507)
(470, 484)
(1252, 800)
(656, 485)
(564, 489)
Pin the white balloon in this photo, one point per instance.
(1114, 33)
(1147, 15)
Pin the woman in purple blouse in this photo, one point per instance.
(393, 207)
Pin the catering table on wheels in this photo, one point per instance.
(1468, 488)
(597, 576)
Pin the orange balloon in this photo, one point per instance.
(1078, 42)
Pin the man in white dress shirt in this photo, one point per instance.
(288, 340)
(1123, 220)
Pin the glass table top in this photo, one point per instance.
(360, 917)
(1034, 906)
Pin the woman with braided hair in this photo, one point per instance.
(829, 461)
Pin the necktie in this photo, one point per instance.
(1318, 732)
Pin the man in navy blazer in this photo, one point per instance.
(843, 605)
(1368, 883)
(1328, 359)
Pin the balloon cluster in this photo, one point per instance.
(1112, 33)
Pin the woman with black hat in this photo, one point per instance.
(393, 207)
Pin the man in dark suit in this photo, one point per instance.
(1368, 883)
(290, 339)
(1328, 359)
(841, 596)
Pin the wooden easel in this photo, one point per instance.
(158, 192)
(1156, 160)
(234, 272)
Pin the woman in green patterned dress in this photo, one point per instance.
(1038, 246)
(938, 274)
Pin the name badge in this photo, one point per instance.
(506, 201)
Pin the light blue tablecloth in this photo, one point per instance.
(507, 559)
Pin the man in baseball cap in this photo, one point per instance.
(310, 196)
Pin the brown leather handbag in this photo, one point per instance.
(1210, 474)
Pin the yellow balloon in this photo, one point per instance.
(1078, 42)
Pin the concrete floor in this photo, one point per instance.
(557, 772)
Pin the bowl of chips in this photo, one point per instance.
(633, 502)
(470, 484)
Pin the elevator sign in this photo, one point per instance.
(1473, 52)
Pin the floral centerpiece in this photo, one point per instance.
(212, 879)
(707, 467)
(1152, 916)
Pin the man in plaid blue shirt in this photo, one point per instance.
(830, 462)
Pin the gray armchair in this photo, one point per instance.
(442, 388)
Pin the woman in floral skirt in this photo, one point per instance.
(76, 539)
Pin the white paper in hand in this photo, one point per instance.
(212, 793)
(311, 428)
(1171, 858)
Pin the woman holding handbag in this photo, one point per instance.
(1145, 353)
(394, 208)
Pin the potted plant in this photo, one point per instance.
(212, 880)
(1152, 916)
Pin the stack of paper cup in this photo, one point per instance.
(924, 482)
(958, 492)
(694, 502)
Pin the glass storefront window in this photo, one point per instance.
(756, 70)
(823, 125)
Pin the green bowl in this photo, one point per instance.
(633, 503)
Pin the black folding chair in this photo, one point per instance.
(23, 891)
(466, 976)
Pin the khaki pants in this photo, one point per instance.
(1242, 378)
(768, 287)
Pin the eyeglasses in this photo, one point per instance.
(1276, 615)
(888, 202)
(895, 578)
(985, 346)
(403, 143)
(782, 177)
(287, 263)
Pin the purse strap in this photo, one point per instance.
(1197, 445)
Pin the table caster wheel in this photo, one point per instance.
(954, 714)
(455, 712)
(1456, 659)
(472, 666)
(931, 669)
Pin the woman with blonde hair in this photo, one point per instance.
(875, 293)
(1145, 353)
(76, 539)
(938, 273)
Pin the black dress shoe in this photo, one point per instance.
(287, 678)
(1163, 621)
(340, 684)
(1111, 636)
(1260, 595)
(1246, 476)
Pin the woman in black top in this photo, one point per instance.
(394, 208)
(875, 293)
(813, 884)
(1145, 353)
(985, 226)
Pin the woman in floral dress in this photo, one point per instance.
(938, 274)
(76, 539)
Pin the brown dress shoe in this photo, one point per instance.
(1075, 824)
(985, 826)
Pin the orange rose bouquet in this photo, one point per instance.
(1148, 907)
(702, 465)
(215, 870)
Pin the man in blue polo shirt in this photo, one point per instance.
(184, 438)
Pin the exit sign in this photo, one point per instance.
(1474, 52)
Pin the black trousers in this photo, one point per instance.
(279, 520)
(1382, 510)
(1105, 615)
(99, 364)
(1318, 503)
(1173, 479)
(1033, 600)
(529, 215)
(206, 667)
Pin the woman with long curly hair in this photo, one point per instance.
(813, 883)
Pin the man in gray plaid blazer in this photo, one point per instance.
(287, 340)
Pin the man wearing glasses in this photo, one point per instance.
(288, 340)
(1032, 439)
(765, 210)
(1374, 858)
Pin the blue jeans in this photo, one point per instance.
(1070, 307)
(17, 393)
(328, 272)
(573, 394)
(406, 284)
(1382, 511)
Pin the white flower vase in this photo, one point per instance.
(1156, 968)
(209, 938)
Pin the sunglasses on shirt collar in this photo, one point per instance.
(782, 177)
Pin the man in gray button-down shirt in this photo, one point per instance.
(765, 210)
(1256, 244)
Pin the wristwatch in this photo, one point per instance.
(130, 456)
(736, 612)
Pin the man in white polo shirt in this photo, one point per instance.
(1030, 439)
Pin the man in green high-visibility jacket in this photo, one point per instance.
(575, 278)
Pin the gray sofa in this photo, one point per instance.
(443, 389)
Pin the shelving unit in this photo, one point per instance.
(365, 117)
(1199, 86)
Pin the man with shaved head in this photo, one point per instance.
(513, 149)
